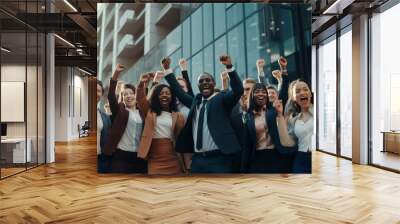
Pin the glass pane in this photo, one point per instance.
(173, 40)
(186, 38)
(208, 23)
(327, 96)
(197, 69)
(31, 99)
(237, 49)
(41, 100)
(209, 60)
(219, 19)
(220, 49)
(385, 89)
(235, 15)
(197, 30)
(175, 58)
(346, 94)
(251, 7)
(13, 86)
(256, 44)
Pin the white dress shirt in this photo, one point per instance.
(163, 127)
(131, 138)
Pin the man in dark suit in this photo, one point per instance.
(208, 132)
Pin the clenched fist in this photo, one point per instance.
(118, 69)
(282, 62)
(183, 64)
(277, 74)
(166, 63)
(260, 63)
(225, 60)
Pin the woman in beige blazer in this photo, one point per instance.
(163, 124)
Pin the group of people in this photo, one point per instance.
(160, 126)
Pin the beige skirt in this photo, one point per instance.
(163, 158)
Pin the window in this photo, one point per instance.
(197, 69)
(209, 60)
(346, 94)
(385, 87)
(173, 40)
(256, 44)
(208, 23)
(235, 14)
(219, 19)
(220, 49)
(327, 95)
(197, 30)
(186, 33)
(236, 49)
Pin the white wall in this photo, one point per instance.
(69, 85)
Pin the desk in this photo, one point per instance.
(13, 150)
(391, 141)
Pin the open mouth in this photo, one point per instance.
(304, 99)
(260, 99)
(164, 100)
(206, 89)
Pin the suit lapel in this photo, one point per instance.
(252, 127)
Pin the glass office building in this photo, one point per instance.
(246, 31)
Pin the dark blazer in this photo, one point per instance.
(283, 92)
(185, 76)
(218, 116)
(120, 115)
(249, 151)
(104, 132)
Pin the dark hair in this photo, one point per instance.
(250, 104)
(154, 100)
(273, 88)
(101, 84)
(206, 73)
(130, 86)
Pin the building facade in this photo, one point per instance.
(247, 32)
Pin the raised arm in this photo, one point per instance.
(142, 102)
(184, 97)
(112, 98)
(224, 81)
(185, 76)
(232, 96)
(286, 139)
(260, 63)
(283, 89)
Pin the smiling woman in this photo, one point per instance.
(163, 124)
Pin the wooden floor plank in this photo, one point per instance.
(71, 191)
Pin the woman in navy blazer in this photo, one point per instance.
(264, 152)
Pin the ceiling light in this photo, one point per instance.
(65, 41)
(70, 5)
(5, 50)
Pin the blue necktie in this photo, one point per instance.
(199, 141)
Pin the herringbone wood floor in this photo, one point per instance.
(71, 191)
